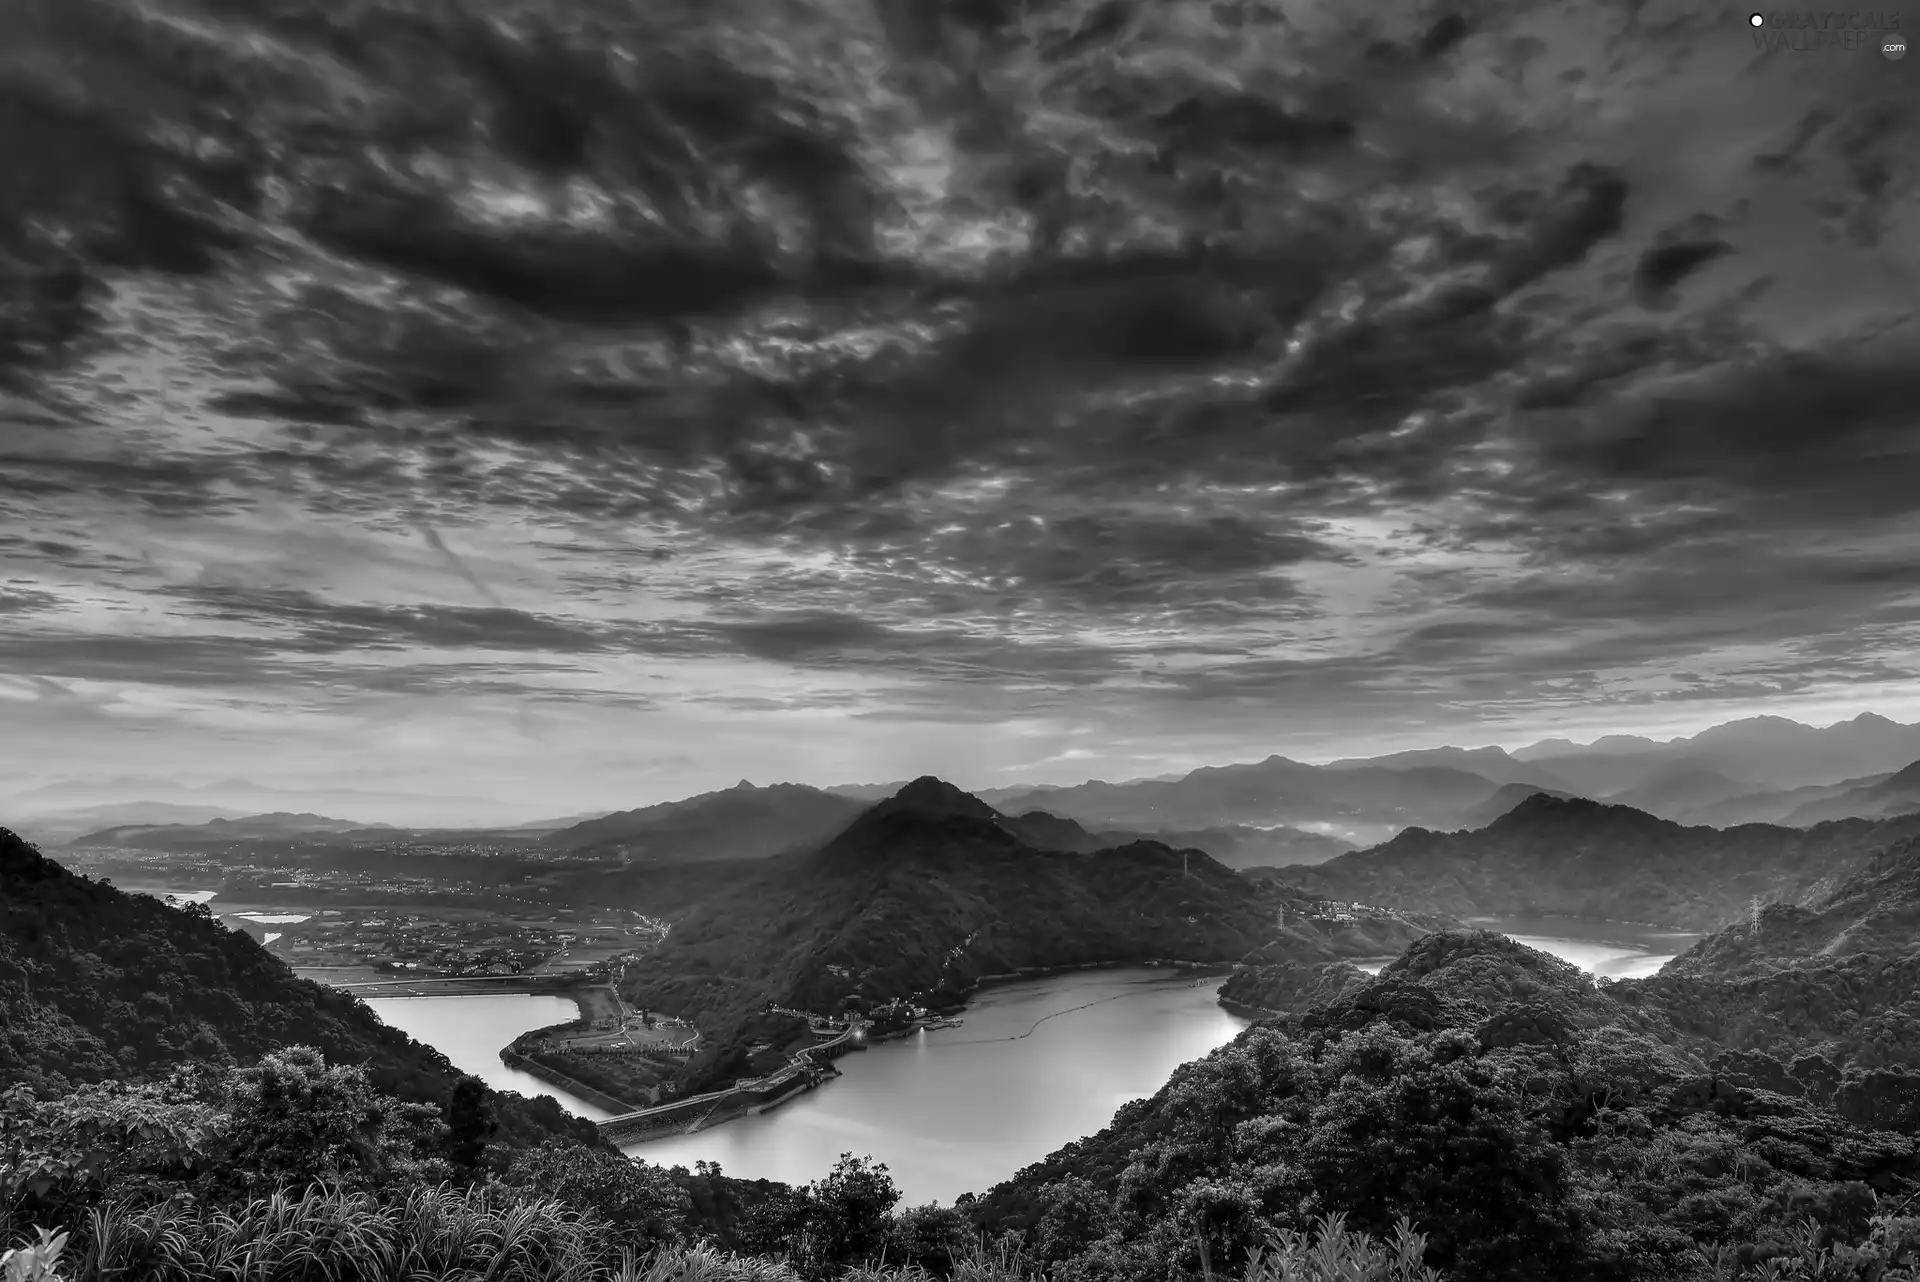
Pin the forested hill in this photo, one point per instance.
(926, 892)
(1580, 858)
(99, 985)
(1533, 1123)
(1819, 999)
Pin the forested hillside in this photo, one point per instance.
(99, 985)
(1534, 1123)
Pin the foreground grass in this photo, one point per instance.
(451, 1235)
(447, 1234)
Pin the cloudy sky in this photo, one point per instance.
(1499, 469)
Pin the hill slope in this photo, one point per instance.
(219, 831)
(97, 984)
(1584, 859)
(928, 891)
(1534, 1124)
(1817, 1000)
(1897, 794)
(1503, 802)
(742, 822)
(1274, 791)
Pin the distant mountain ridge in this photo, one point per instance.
(1275, 791)
(741, 822)
(1897, 794)
(1768, 752)
(1578, 858)
(247, 827)
(1758, 769)
(1495, 765)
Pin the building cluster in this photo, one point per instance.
(425, 944)
(1325, 910)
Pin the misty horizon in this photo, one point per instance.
(51, 795)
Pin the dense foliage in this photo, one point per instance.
(99, 985)
(1531, 1122)
(1815, 1000)
(1277, 988)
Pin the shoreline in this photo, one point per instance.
(1241, 1010)
(580, 1090)
(725, 1110)
(1180, 965)
(1480, 922)
(450, 985)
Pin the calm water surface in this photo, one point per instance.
(470, 1030)
(1613, 949)
(1036, 1064)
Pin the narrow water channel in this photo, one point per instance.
(472, 1029)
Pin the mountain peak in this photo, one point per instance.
(1543, 804)
(936, 798)
(745, 785)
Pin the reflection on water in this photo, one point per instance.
(1035, 1065)
(471, 1030)
(1612, 949)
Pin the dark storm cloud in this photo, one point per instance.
(1702, 581)
(1835, 435)
(17, 600)
(165, 484)
(808, 636)
(824, 639)
(242, 664)
(1357, 393)
(209, 661)
(318, 626)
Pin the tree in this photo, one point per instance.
(61, 1156)
(850, 1205)
(640, 1203)
(932, 1237)
(1075, 1215)
(295, 1120)
(1450, 1144)
(470, 1124)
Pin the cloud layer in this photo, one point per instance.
(1132, 388)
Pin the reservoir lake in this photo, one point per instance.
(1036, 1064)
(471, 1030)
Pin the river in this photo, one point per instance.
(471, 1030)
(1036, 1064)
